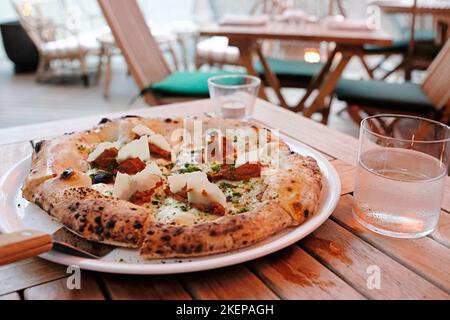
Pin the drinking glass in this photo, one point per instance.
(234, 96)
(402, 165)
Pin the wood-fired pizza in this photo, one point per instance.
(173, 187)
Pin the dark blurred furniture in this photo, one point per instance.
(19, 48)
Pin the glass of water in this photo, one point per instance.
(402, 165)
(234, 96)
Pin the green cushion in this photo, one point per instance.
(380, 94)
(184, 83)
(402, 43)
(295, 69)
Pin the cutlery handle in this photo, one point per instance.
(23, 244)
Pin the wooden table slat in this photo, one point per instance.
(235, 282)
(346, 174)
(442, 233)
(350, 257)
(124, 287)
(424, 256)
(294, 274)
(59, 290)
(27, 273)
(329, 141)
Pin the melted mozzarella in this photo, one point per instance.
(142, 130)
(135, 149)
(159, 141)
(100, 148)
(103, 188)
(172, 213)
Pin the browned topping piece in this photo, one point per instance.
(243, 172)
(106, 160)
(131, 166)
(157, 151)
(142, 197)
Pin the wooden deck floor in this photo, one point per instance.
(23, 101)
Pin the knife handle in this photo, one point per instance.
(23, 244)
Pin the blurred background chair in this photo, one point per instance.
(56, 29)
(416, 45)
(145, 60)
(430, 99)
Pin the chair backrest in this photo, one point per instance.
(437, 83)
(134, 39)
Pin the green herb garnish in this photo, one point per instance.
(189, 168)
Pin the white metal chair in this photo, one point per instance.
(53, 27)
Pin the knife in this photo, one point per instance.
(29, 243)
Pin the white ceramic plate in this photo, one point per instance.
(16, 214)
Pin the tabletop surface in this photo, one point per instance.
(303, 31)
(334, 262)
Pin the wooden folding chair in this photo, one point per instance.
(431, 99)
(145, 60)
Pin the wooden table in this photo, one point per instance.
(348, 43)
(331, 263)
(434, 7)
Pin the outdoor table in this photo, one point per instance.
(334, 262)
(348, 43)
(434, 7)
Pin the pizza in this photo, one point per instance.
(181, 187)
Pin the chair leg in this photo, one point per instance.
(400, 66)
(150, 99)
(40, 72)
(108, 73)
(366, 67)
(354, 112)
(326, 111)
(84, 71)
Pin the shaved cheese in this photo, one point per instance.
(205, 193)
(200, 190)
(142, 130)
(122, 186)
(126, 185)
(159, 141)
(135, 149)
(177, 182)
(153, 168)
(99, 150)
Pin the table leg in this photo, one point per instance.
(108, 73)
(271, 77)
(246, 50)
(317, 80)
(328, 85)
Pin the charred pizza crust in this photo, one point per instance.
(59, 184)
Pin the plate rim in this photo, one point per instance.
(208, 262)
